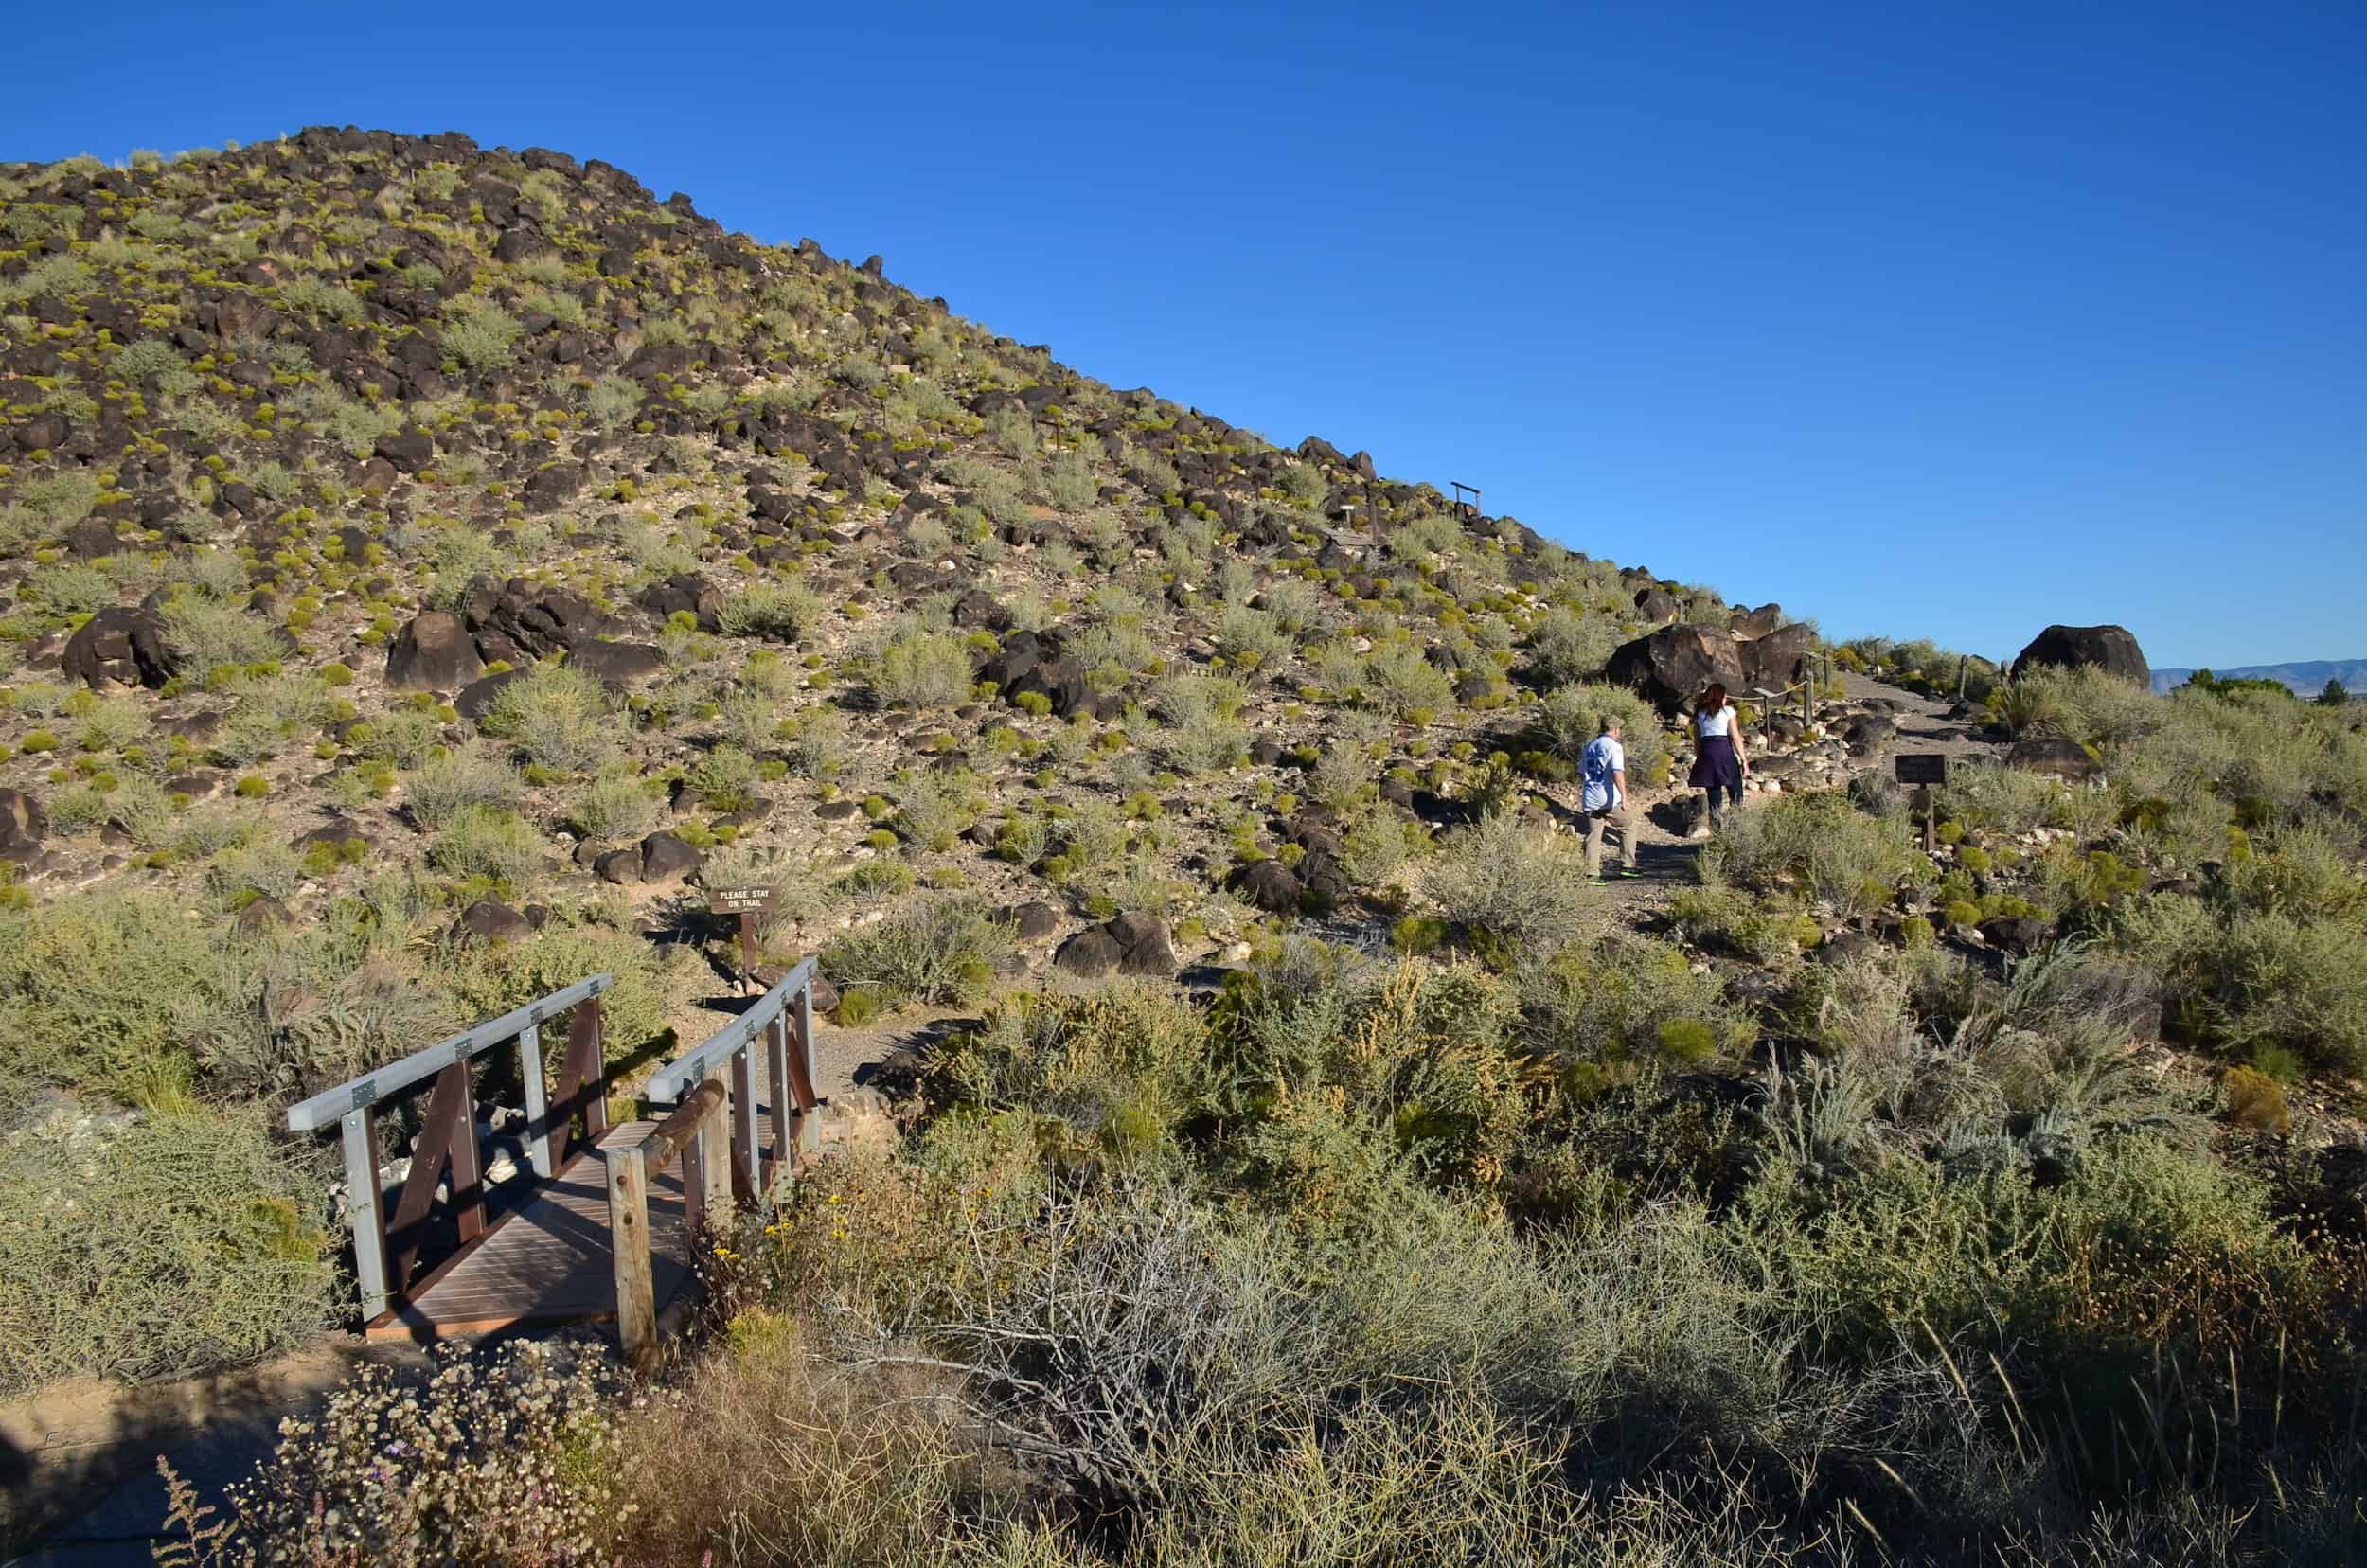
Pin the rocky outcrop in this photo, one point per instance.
(2111, 649)
(434, 652)
(119, 647)
(1130, 944)
(1671, 666)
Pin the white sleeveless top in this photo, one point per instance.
(1711, 725)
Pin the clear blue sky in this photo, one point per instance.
(1926, 319)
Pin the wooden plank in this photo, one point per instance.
(550, 1260)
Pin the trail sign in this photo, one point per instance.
(1921, 768)
(746, 903)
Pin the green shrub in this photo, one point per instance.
(616, 805)
(784, 610)
(458, 781)
(489, 843)
(922, 669)
(1518, 886)
(205, 636)
(1820, 844)
(1201, 724)
(652, 979)
(556, 717)
(185, 1242)
(1572, 716)
(942, 948)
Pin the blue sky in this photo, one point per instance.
(1929, 320)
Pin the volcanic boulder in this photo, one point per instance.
(434, 652)
(1671, 666)
(2112, 649)
(119, 645)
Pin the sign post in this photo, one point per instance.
(746, 903)
(1924, 770)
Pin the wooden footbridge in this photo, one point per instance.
(604, 1229)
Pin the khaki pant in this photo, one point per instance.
(1622, 817)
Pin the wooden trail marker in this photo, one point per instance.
(746, 903)
(1924, 770)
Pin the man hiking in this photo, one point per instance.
(1603, 766)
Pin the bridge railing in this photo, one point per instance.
(717, 1129)
(383, 1253)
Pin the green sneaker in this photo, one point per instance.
(1598, 882)
(1630, 872)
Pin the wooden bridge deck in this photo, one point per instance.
(548, 1261)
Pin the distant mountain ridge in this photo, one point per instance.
(2308, 677)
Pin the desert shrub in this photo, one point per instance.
(726, 779)
(1740, 923)
(265, 866)
(1572, 716)
(2006, 800)
(1820, 844)
(516, 1447)
(556, 717)
(404, 737)
(1400, 681)
(1569, 645)
(1597, 1008)
(492, 844)
(181, 1243)
(616, 805)
(479, 334)
(113, 723)
(783, 609)
(1201, 723)
(1243, 631)
(70, 588)
(2086, 704)
(937, 949)
(922, 669)
(880, 1474)
(817, 746)
(651, 979)
(1519, 886)
(205, 636)
(934, 806)
(461, 780)
(2249, 980)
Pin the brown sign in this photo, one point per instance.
(740, 901)
(1921, 768)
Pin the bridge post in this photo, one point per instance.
(808, 1091)
(747, 1127)
(537, 1100)
(707, 1185)
(629, 1240)
(368, 1207)
(785, 1126)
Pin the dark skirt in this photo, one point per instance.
(1716, 765)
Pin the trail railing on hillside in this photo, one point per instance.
(384, 1253)
(717, 1129)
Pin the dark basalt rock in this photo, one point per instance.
(23, 825)
(1670, 666)
(489, 920)
(2112, 649)
(126, 647)
(1270, 884)
(434, 652)
(618, 665)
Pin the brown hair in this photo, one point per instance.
(1713, 700)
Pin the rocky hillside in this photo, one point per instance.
(374, 499)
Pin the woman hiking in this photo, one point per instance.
(1719, 762)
